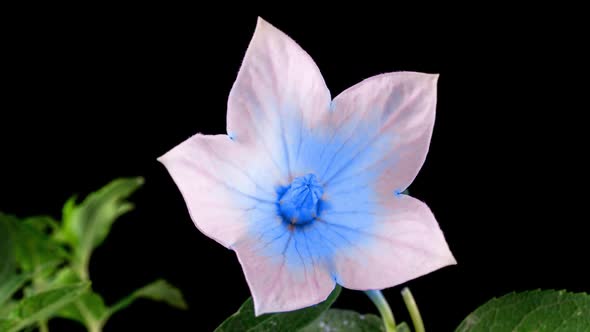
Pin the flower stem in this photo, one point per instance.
(413, 309)
(43, 327)
(379, 300)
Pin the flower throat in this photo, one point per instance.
(299, 203)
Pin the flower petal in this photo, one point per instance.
(279, 92)
(287, 268)
(226, 186)
(401, 242)
(385, 124)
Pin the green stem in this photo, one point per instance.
(94, 328)
(92, 325)
(413, 309)
(43, 326)
(38, 286)
(379, 300)
(80, 266)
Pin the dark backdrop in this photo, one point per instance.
(91, 97)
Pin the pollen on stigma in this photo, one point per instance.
(299, 203)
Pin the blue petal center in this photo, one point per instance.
(301, 199)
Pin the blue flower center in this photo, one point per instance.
(300, 201)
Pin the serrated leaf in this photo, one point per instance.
(159, 290)
(85, 226)
(244, 319)
(540, 311)
(338, 320)
(44, 305)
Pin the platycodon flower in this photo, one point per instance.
(306, 189)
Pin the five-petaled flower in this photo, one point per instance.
(306, 189)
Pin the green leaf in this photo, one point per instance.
(69, 231)
(7, 324)
(403, 327)
(33, 247)
(44, 224)
(43, 305)
(88, 309)
(63, 277)
(12, 284)
(85, 226)
(25, 244)
(546, 310)
(6, 308)
(7, 244)
(159, 290)
(7, 265)
(338, 320)
(244, 319)
(8, 277)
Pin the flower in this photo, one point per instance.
(308, 190)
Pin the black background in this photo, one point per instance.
(90, 97)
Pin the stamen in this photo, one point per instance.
(298, 205)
